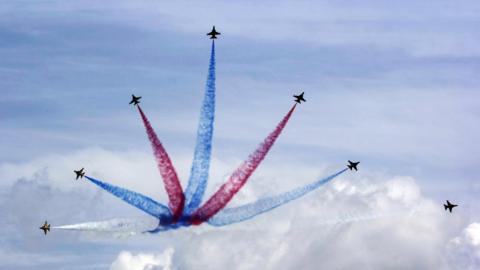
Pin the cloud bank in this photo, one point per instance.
(143, 261)
(366, 219)
(464, 250)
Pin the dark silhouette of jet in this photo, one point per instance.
(213, 34)
(449, 206)
(45, 227)
(135, 100)
(353, 165)
(80, 173)
(299, 98)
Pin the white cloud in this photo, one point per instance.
(144, 261)
(296, 237)
(307, 233)
(464, 250)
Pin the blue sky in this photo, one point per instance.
(391, 84)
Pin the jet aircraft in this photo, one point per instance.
(449, 206)
(45, 227)
(80, 173)
(353, 165)
(135, 100)
(299, 98)
(213, 34)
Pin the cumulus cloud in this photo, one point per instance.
(464, 250)
(365, 219)
(297, 236)
(370, 216)
(144, 261)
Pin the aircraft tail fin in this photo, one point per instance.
(350, 167)
(445, 207)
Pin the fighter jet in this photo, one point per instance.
(449, 206)
(80, 173)
(45, 227)
(135, 100)
(299, 98)
(213, 34)
(353, 165)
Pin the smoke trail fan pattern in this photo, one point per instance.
(184, 208)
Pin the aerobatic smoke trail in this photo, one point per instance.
(248, 211)
(113, 225)
(226, 192)
(167, 171)
(197, 182)
(372, 215)
(140, 201)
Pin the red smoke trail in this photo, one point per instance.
(167, 171)
(226, 192)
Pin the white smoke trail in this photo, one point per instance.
(352, 217)
(331, 221)
(120, 226)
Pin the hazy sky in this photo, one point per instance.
(394, 85)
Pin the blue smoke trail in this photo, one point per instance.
(248, 211)
(138, 200)
(201, 160)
